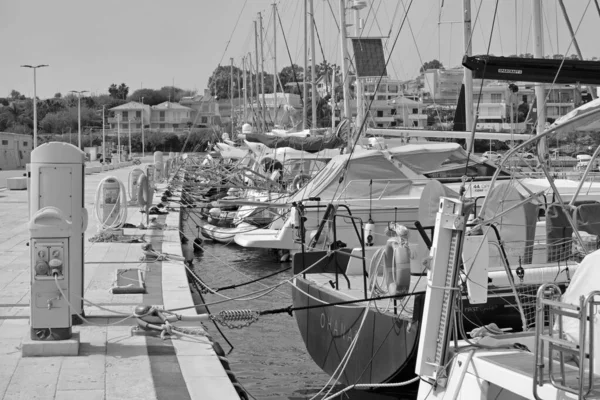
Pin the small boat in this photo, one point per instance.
(225, 235)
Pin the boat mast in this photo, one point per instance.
(305, 89)
(275, 58)
(313, 74)
(359, 89)
(333, 99)
(574, 39)
(345, 84)
(244, 81)
(231, 95)
(258, 108)
(468, 74)
(262, 72)
(540, 91)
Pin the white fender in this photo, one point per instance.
(397, 262)
(369, 229)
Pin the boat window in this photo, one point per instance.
(453, 172)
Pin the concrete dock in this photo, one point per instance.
(112, 363)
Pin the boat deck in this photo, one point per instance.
(513, 371)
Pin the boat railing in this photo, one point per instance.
(550, 315)
(330, 216)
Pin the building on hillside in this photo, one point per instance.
(170, 117)
(15, 150)
(497, 100)
(130, 115)
(397, 112)
(204, 109)
(442, 86)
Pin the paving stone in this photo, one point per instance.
(82, 373)
(80, 395)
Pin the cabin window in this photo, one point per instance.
(4, 142)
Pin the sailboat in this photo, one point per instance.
(361, 333)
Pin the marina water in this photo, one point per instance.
(269, 356)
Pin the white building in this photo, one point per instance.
(15, 150)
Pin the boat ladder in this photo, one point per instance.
(550, 313)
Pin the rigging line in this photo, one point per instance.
(548, 29)
(597, 6)
(312, 17)
(474, 127)
(377, 87)
(437, 107)
(291, 62)
(333, 14)
(233, 31)
(470, 43)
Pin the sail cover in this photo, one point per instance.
(312, 144)
(533, 69)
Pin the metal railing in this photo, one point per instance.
(549, 306)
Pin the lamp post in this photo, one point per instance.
(34, 100)
(78, 115)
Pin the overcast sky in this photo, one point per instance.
(153, 43)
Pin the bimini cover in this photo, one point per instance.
(287, 153)
(384, 167)
(585, 280)
(516, 227)
(583, 118)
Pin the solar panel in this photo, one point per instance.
(369, 58)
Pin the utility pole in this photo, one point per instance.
(231, 95)
(34, 100)
(313, 72)
(305, 89)
(262, 72)
(346, 86)
(79, 92)
(258, 107)
(275, 58)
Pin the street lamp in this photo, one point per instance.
(78, 115)
(34, 101)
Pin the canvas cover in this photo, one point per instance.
(311, 144)
(383, 167)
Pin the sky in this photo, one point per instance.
(153, 43)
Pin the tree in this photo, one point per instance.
(220, 80)
(291, 74)
(151, 97)
(118, 92)
(433, 64)
(57, 95)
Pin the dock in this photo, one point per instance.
(112, 363)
